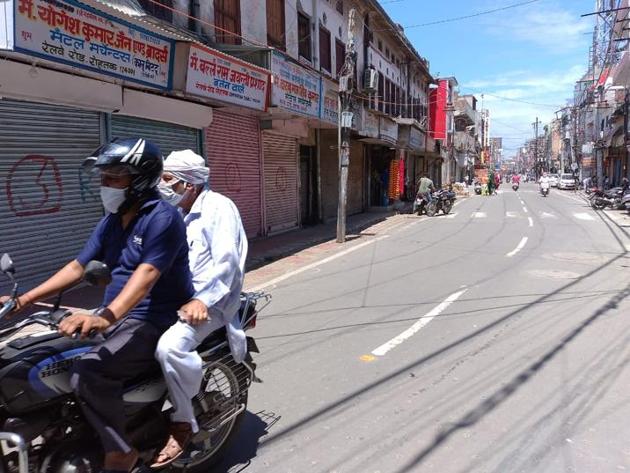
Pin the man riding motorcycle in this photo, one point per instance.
(544, 183)
(218, 248)
(143, 241)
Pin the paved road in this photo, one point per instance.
(496, 339)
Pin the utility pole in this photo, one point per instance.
(536, 160)
(344, 107)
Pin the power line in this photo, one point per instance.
(459, 18)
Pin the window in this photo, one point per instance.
(339, 6)
(324, 49)
(275, 24)
(340, 55)
(304, 36)
(153, 9)
(388, 97)
(387, 53)
(380, 45)
(227, 19)
(381, 91)
(398, 107)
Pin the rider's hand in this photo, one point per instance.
(194, 312)
(21, 303)
(83, 323)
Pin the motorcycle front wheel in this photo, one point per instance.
(431, 209)
(447, 206)
(597, 205)
(220, 407)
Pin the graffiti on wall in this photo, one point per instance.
(34, 186)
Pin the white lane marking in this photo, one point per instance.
(547, 215)
(308, 267)
(510, 214)
(520, 246)
(415, 328)
(531, 221)
(524, 209)
(583, 216)
(478, 215)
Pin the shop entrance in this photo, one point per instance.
(380, 159)
(308, 186)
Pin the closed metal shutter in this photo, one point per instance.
(167, 136)
(233, 150)
(280, 158)
(48, 209)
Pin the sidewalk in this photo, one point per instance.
(265, 250)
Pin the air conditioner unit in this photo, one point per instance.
(370, 79)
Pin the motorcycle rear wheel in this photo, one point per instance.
(598, 205)
(431, 209)
(223, 390)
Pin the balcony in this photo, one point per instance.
(464, 111)
(464, 142)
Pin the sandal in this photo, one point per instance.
(179, 438)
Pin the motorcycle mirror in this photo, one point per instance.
(97, 273)
(6, 264)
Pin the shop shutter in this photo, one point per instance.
(280, 158)
(48, 209)
(233, 150)
(167, 136)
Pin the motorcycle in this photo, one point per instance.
(441, 200)
(515, 187)
(544, 189)
(478, 188)
(44, 425)
(612, 198)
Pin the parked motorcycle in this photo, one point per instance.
(45, 426)
(612, 198)
(515, 187)
(544, 189)
(443, 200)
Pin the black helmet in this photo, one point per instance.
(142, 158)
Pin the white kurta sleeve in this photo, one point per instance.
(218, 276)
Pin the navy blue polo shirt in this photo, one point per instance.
(156, 236)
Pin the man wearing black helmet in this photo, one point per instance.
(143, 241)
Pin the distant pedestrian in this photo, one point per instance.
(491, 183)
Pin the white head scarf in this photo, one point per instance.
(188, 166)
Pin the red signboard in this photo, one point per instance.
(438, 100)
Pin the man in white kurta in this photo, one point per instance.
(217, 253)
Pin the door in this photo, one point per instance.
(280, 158)
(308, 186)
(48, 208)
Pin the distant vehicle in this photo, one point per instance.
(566, 181)
(553, 180)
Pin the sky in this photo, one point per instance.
(530, 53)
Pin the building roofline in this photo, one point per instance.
(396, 30)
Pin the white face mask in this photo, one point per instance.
(168, 194)
(112, 198)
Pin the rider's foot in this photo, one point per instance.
(120, 461)
(180, 434)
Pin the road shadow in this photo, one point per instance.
(244, 446)
(263, 251)
(498, 397)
